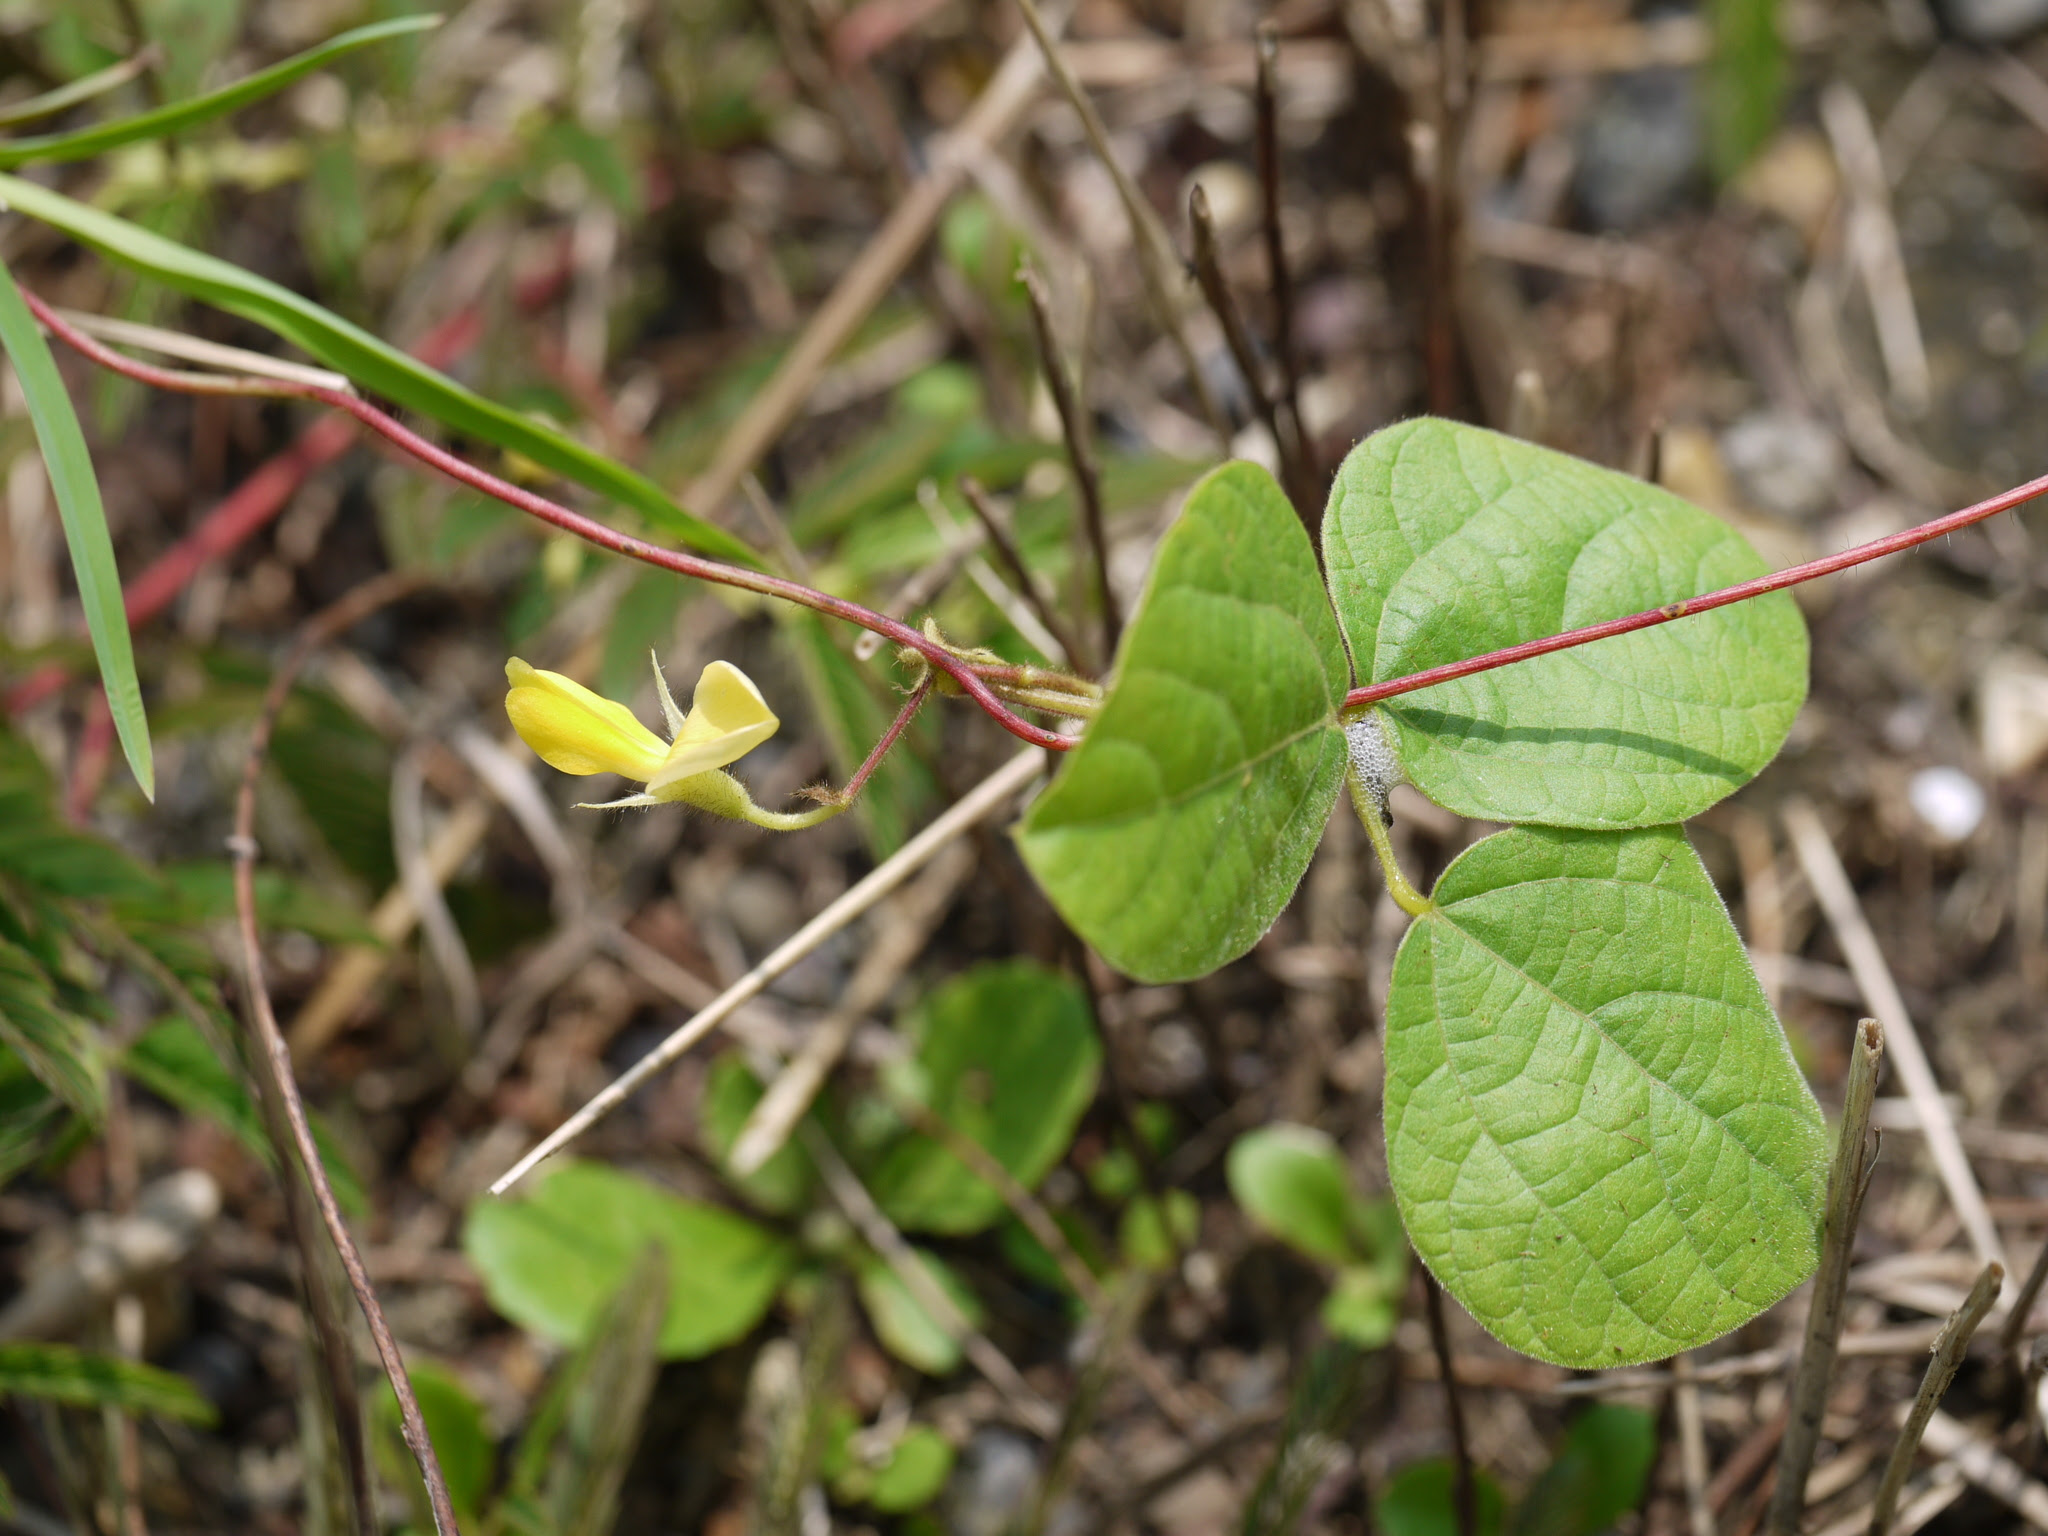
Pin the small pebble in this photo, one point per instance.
(1948, 800)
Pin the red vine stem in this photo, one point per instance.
(1777, 581)
(554, 513)
(940, 658)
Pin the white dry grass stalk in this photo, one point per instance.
(1831, 888)
(992, 793)
(194, 349)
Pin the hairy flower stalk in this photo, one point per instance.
(581, 732)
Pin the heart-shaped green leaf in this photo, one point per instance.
(1445, 541)
(1180, 826)
(1595, 1130)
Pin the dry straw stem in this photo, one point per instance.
(1080, 451)
(1692, 1445)
(987, 797)
(1837, 899)
(1237, 336)
(276, 1056)
(770, 412)
(2015, 1327)
(1009, 604)
(1266, 97)
(1949, 1351)
(859, 1206)
(1002, 539)
(1848, 1177)
(905, 927)
(1158, 266)
(1998, 1476)
(1874, 246)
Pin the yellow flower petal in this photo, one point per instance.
(728, 718)
(577, 731)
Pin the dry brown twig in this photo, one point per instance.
(275, 1055)
(1848, 1178)
(1837, 899)
(1949, 1351)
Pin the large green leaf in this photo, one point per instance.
(375, 365)
(58, 1373)
(179, 116)
(1007, 1055)
(551, 1261)
(1179, 828)
(1444, 541)
(1595, 1129)
(77, 492)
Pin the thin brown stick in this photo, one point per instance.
(276, 1056)
(1156, 262)
(1237, 336)
(2015, 1328)
(1080, 451)
(1846, 1183)
(1949, 1350)
(1003, 541)
(1464, 1494)
(1266, 99)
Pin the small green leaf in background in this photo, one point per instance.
(58, 1373)
(77, 492)
(1745, 83)
(57, 1045)
(1578, 1048)
(906, 1329)
(1152, 1234)
(1362, 1308)
(782, 1185)
(1178, 829)
(1008, 1056)
(551, 1260)
(1292, 1181)
(180, 116)
(455, 1425)
(909, 1476)
(1599, 1475)
(1446, 541)
(1418, 1502)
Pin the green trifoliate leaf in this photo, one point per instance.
(1595, 1130)
(1181, 825)
(1445, 541)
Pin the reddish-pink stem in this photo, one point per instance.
(1777, 581)
(553, 512)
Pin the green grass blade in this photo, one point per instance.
(376, 366)
(85, 524)
(58, 1373)
(51, 148)
(65, 97)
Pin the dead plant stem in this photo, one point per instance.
(1464, 1492)
(1157, 265)
(276, 1056)
(1266, 97)
(1080, 453)
(1003, 540)
(1949, 1350)
(1824, 1316)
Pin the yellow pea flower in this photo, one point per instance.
(581, 732)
